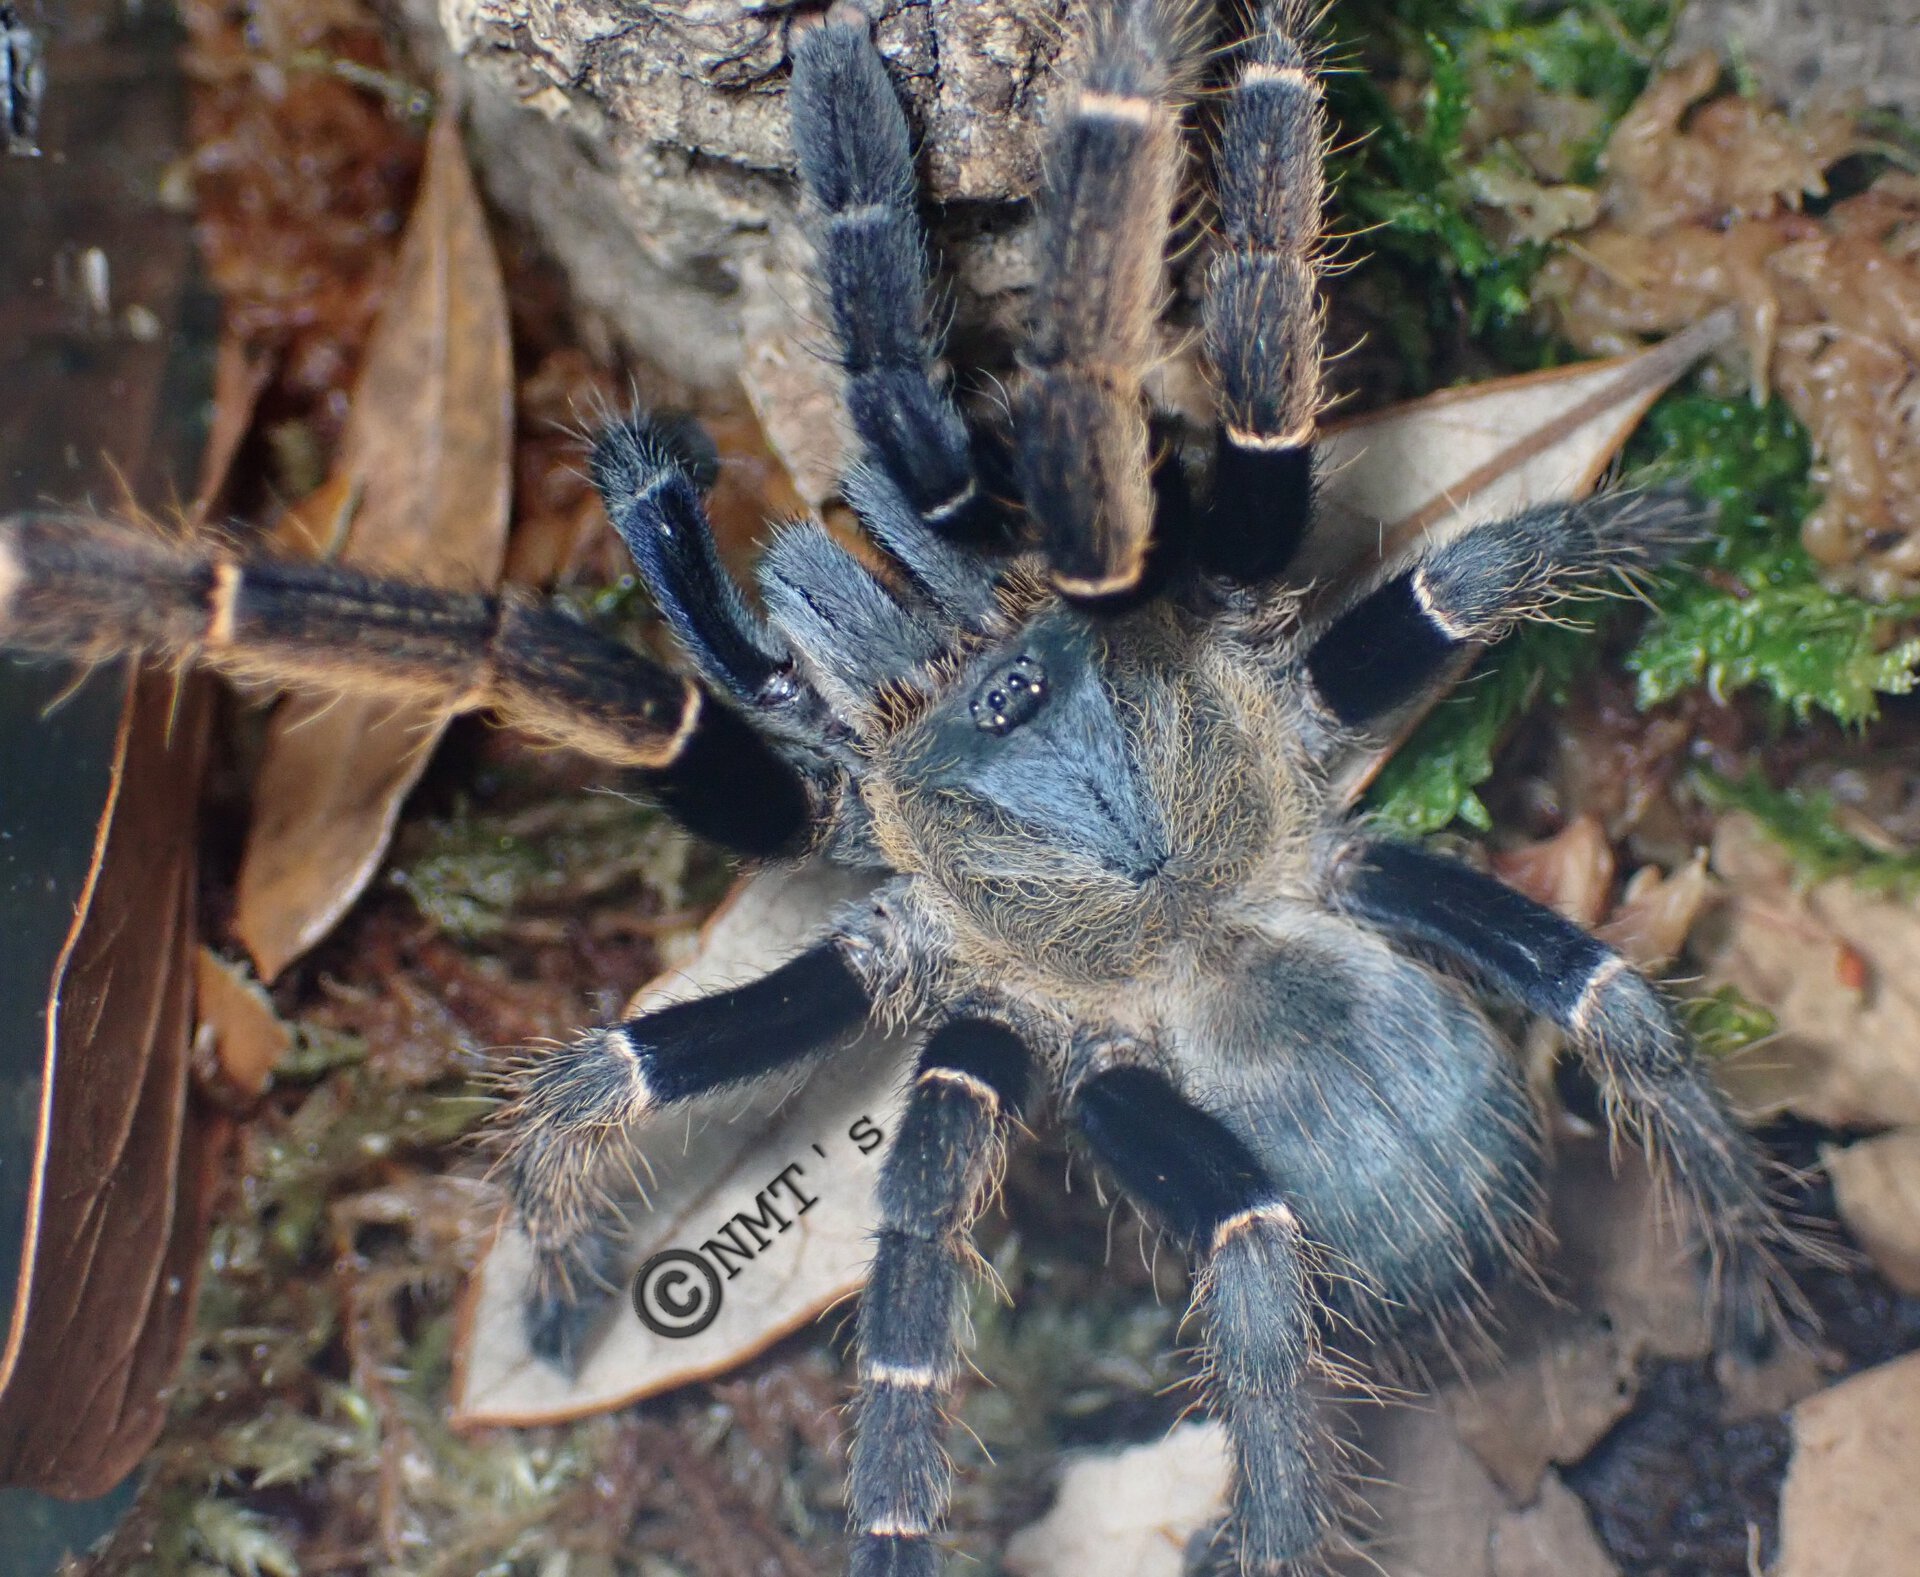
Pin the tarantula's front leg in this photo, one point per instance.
(1264, 319)
(1652, 1083)
(76, 587)
(1252, 1294)
(572, 1109)
(856, 160)
(940, 1169)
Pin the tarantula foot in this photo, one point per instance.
(560, 1327)
(887, 1556)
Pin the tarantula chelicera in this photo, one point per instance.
(1090, 723)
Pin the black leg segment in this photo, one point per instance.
(653, 503)
(1399, 639)
(1653, 1086)
(573, 1106)
(856, 161)
(1251, 1293)
(940, 1170)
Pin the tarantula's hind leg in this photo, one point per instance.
(76, 587)
(1264, 320)
(942, 1166)
(1652, 1083)
(573, 1107)
(1252, 1295)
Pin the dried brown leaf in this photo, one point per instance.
(247, 1035)
(1656, 913)
(428, 451)
(1571, 872)
(1848, 1507)
(1463, 456)
(1128, 1513)
(1876, 1183)
(1551, 1538)
(700, 1180)
(117, 1219)
(1835, 966)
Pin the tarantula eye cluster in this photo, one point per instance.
(1010, 696)
(1113, 862)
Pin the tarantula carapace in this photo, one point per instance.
(1089, 721)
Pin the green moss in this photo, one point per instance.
(1725, 1021)
(1415, 169)
(1749, 611)
(1756, 614)
(1805, 827)
(1431, 779)
(476, 874)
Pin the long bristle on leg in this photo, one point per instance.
(940, 1169)
(855, 155)
(1265, 323)
(1653, 1085)
(1252, 1298)
(573, 1108)
(1111, 171)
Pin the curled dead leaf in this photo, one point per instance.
(425, 467)
(1848, 1508)
(116, 1214)
(1571, 872)
(248, 1039)
(1876, 1183)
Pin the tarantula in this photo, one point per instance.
(1090, 724)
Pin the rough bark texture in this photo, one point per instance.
(646, 145)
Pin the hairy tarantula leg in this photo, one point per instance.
(941, 1167)
(856, 160)
(1251, 1292)
(75, 587)
(572, 1107)
(655, 506)
(1652, 1084)
(1112, 166)
(1264, 319)
(1401, 638)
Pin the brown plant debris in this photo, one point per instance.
(1714, 199)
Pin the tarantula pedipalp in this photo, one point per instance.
(1088, 729)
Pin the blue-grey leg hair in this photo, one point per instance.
(1397, 641)
(1251, 1295)
(856, 161)
(1652, 1083)
(1264, 318)
(941, 1167)
(573, 1107)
